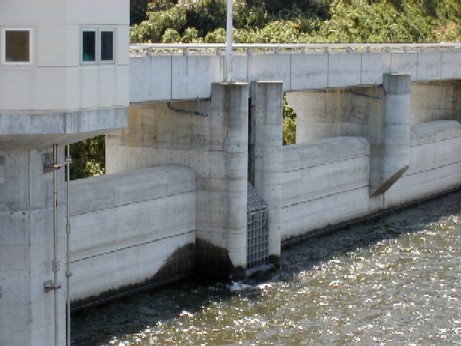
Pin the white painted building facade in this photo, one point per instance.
(63, 78)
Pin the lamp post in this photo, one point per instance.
(229, 42)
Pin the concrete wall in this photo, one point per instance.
(435, 163)
(324, 183)
(327, 182)
(431, 101)
(130, 229)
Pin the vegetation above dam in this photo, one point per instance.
(266, 21)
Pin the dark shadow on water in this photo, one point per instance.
(97, 325)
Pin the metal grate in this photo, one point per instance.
(258, 235)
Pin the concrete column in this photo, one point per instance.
(27, 311)
(266, 156)
(390, 154)
(222, 189)
(210, 137)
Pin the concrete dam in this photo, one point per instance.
(198, 178)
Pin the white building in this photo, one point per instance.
(63, 78)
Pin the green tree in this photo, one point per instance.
(88, 158)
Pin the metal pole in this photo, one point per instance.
(55, 243)
(229, 41)
(68, 230)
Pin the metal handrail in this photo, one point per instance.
(143, 49)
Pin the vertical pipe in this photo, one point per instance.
(229, 41)
(55, 242)
(68, 230)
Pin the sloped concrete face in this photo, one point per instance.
(211, 137)
(26, 252)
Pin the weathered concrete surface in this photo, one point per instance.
(26, 251)
(211, 137)
(431, 101)
(126, 226)
(333, 113)
(266, 157)
(324, 183)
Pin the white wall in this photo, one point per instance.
(56, 80)
(126, 227)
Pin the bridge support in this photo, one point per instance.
(266, 155)
(32, 307)
(211, 137)
(390, 145)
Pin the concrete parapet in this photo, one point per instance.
(266, 156)
(126, 227)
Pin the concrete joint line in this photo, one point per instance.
(132, 246)
(325, 196)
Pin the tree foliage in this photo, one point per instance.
(305, 21)
(285, 21)
(88, 158)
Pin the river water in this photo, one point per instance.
(392, 280)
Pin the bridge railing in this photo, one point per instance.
(147, 49)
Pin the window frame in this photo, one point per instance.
(114, 40)
(98, 30)
(3, 60)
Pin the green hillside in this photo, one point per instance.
(296, 21)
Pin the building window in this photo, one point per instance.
(98, 45)
(17, 46)
(88, 46)
(107, 45)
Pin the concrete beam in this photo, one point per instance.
(41, 130)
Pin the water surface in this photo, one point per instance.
(393, 280)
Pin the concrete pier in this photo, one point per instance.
(29, 313)
(266, 156)
(390, 150)
(211, 137)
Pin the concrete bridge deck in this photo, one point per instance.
(167, 72)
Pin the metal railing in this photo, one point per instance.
(148, 49)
